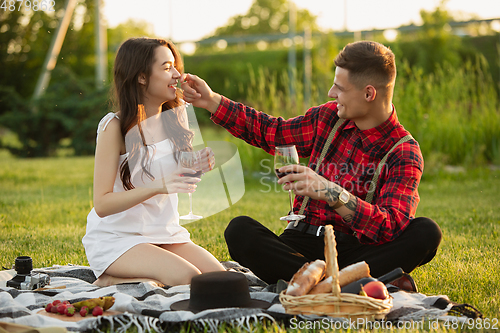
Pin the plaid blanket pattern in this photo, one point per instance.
(147, 306)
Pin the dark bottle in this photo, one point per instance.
(355, 287)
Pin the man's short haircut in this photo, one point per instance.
(368, 63)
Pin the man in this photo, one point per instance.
(385, 232)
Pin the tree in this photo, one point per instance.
(24, 39)
(434, 44)
(264, 17)
(71, 105)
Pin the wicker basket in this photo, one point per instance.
(336, 304)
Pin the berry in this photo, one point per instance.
(48, 307)
(53, 309)
(70, 311)
(66, 302)
(56, 302)
(61, 308)
(97, 311)
(84, 311)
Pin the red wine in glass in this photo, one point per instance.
(287, 155)
(188, 159)
(197, 174)
(282, 174)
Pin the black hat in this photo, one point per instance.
(219, 290)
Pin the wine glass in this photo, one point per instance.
(286, 155)
(190, 159)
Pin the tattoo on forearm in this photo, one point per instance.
(352, 204)
(347, 218)
(331, 192)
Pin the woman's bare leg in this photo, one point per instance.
(107, 280)
(196, 255)
(146, 262)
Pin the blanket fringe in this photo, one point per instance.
(246, 323)
(123, 322)
(144, 324)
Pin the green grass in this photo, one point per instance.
(44, 203)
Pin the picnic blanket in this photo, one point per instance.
(147, 306)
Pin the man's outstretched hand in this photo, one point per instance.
(198, 93)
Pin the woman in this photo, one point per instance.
(133, 232)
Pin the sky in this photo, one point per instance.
(192, 20)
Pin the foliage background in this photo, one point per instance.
(447, 95)
(447, 88)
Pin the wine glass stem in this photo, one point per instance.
(190, 204)
(291, 202)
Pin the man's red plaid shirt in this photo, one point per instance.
(350, 162)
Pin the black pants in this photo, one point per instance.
(273, 257)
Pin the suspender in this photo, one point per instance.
(321, 157)
(373, 184)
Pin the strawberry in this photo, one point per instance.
(56, 302)
(70, 311)
(61, 308)
(53, 309)
(84, 311)
(66, 302)
(48, 307)
(97, 311)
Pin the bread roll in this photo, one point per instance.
(331, 257)
(324, 287)
(306, 278)
(353, 273)
(347, 275)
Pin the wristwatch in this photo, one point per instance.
(342, 199)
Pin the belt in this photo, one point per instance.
(307, 228)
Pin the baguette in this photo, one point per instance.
(306, 278)
(353, 273)
(347, 275)
(324, 287)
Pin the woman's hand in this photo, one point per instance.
(198, 93)
(178, 181)
(206, 160)
(181, 181)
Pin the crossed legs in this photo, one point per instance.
(273, 257)
(166, 264)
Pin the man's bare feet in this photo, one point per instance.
(106, 280)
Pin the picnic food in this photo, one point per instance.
(306, 278)
(335, 303)
(353, 272)
(347, 275)
(353, 279)
(84, 311)
(355, 287)
(70, 311)
(322, 287)
(375, 289)
(61, 307)
(97, 311)
(96, 306)
(104, 302)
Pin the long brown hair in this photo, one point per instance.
(135, 57)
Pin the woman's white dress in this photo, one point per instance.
(154, 221)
